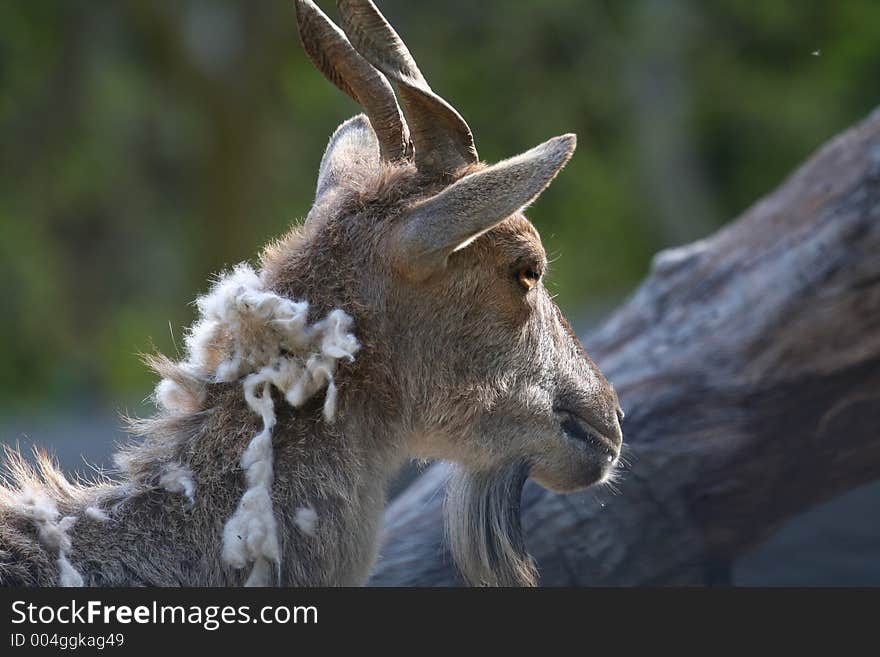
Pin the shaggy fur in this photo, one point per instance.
(177, 479)
(35, 505)
(248, 333)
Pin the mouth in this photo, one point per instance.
(578, 429)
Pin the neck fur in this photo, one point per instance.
(255, 471)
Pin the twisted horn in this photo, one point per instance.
(333, 55)
(442, 139)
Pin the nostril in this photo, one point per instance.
(573, 428)
(620, 414)
(576, 427)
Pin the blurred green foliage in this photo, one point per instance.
(146, 145)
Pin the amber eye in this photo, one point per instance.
(528, 277)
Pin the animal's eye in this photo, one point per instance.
(528, 276)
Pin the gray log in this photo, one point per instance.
(748, 364)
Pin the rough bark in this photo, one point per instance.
(748, 364)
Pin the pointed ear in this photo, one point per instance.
(353, 147)
(476, 203)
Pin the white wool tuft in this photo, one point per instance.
(51, 532)
(67, 574)
(97, 514)
(175, 397)
(251, 534)
(306, 519)
(177, 478)
(250, 334)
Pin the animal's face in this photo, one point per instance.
(546, 403)
(502, 377)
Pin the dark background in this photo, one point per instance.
(146, 145)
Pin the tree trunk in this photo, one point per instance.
(748, 364)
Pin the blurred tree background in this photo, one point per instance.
(149, 144)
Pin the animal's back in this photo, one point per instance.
(23, 561)
(33, 501)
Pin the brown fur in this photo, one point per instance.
(459, 360)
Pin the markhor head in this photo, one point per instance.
(443, 274)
